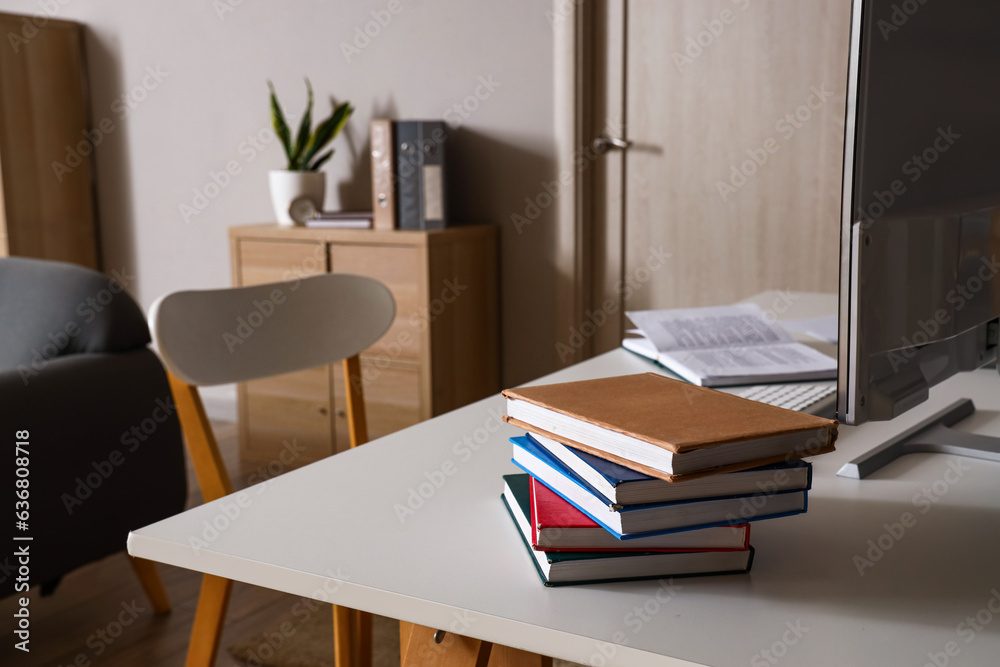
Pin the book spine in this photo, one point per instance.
(432, 137)
(383, 176)
(408, 176)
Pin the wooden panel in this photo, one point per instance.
(463, 309)
(273, 261)
(393, 397)
(400, 269)
(47, 208)
(291, 412)
(770, 84)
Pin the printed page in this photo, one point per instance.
(741, 325)
(820, 328)
(754, 363)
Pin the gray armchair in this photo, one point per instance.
(105, 453)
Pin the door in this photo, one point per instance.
(733, 112)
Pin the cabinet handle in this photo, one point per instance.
(322, 410)
(341, 414)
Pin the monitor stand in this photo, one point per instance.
(932, 436)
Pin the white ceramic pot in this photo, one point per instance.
(286, 186)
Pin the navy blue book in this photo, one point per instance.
(632, 521)
(624, 486)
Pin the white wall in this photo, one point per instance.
(212, 96)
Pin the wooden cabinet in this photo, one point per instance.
(47, 140)
(441, 352)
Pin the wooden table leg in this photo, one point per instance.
(149, 577)
(343, 635)
(505, 656)
(363, 638)
(420, 649)
(208, 621)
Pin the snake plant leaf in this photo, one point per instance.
(303, 136)
(326, 131)
(320, 160)
(280, 126)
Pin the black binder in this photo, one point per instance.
(420, 174)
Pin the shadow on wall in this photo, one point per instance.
(113, 183)
(490, 181)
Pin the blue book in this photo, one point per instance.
(626, 522)
(624, 486)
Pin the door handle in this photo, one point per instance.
(604, 143)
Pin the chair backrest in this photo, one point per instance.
(219, 336)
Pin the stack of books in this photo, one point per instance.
(643, 476)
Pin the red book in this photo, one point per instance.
(558, 526)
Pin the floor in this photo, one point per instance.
(117, 627)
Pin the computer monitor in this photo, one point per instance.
(920, 223)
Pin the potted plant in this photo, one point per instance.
(305, 155)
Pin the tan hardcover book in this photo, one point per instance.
(383, 176)
(667, 428)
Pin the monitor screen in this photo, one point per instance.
(921, 206)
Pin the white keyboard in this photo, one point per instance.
(793, 396)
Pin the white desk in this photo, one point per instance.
(331, 531)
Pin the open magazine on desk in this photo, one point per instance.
(726, 345)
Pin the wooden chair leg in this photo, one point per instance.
(208, 466)
(149, 577)
(356, 422)
(420, 649)
(214, 483)
(208, 621)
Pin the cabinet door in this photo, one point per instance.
(397, 388)
(403, 270)
(285, 417)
